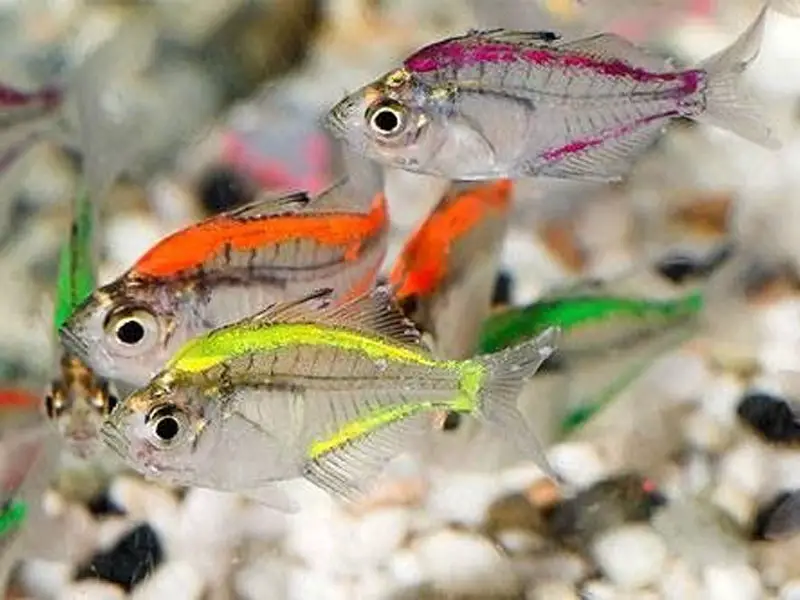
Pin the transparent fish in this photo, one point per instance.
(445, 274)
(225, 268)
(500, 103)
(26, 461)
(76, 399)
(27, 117)
(305, 389)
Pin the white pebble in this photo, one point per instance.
(722, 399)
(173, 579)
(460, 563)
(552, 590)
(736, 582)
(305, 583)
(518, 541)
(132, 234)
(43, 579)
(320, 539)
(737, 504)
(680, 583)
(148, 502)
(377, 534)
(790, 591)
(706, 433)
(744, 467)
(631, 556)
(92, 590)
(406, 568)
(462, 497)
(263, 578)
(578, 463)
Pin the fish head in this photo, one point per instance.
(78, 402)
(394, 120)
(156, 430)
(124, 331)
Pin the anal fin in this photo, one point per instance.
(347, 471)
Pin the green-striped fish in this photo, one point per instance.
(77, 400)
(594, 325)
(590, 323)
(307, 390)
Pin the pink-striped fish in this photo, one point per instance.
(498, 103)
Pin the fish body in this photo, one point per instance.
(498, 103)
(590, 324)
(329, 393)
(26, 460)
(223, 269)
(445, 275)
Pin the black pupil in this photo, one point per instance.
(386, 120)
(167, 428)
(130, 332)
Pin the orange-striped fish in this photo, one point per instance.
(445, 275)
(226, 268)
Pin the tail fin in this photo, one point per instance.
(790, 8)
(507, 372)
(727, 106)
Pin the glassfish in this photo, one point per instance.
(500, 103)
(26, 460)
(305, 389)
(223, 269)
(445, 274)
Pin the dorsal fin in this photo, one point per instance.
(270, 205)
(611, 47)
(373, 313)
(342, 196)
(305, 309)
(510, 36)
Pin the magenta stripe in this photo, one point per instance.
(458, 54)
(579, 145)
(10, 97)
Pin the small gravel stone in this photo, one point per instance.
(92, 590)
(679, 582)
(552, 590)
(578, 463)
(174, 579)
(632, 556)
(129, 562)
(790, 590)
(735, 582)
(460, 563)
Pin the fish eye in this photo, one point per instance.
(167, 424)
(132, 329)
(387, 118)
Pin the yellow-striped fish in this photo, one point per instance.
(306, 389)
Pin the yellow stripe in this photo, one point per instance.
(472, 376)
(208, 351)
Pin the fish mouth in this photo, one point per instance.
(74, 344)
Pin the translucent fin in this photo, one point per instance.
(347, 471)
(375, 313)
(610, 159)
(611, 47)
(790, 8)
(344, 196)
(509, 36)
(270, 205)
(508, 371)
(727, 106)
(785, 520)
(107, 144)
(272, 497)
(302, 310)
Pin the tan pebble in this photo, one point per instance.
(544, 493)
(552, 590)
(737, 504)
(397, 492)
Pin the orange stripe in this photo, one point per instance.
(14, 398)
(193, 246)
(422, 265)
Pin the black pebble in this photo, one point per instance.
(102, 506)
(134, 557)
(503, 288)
(764, 516)
(771, 416)
(451, 421)
(222, 189)
(678, 267)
